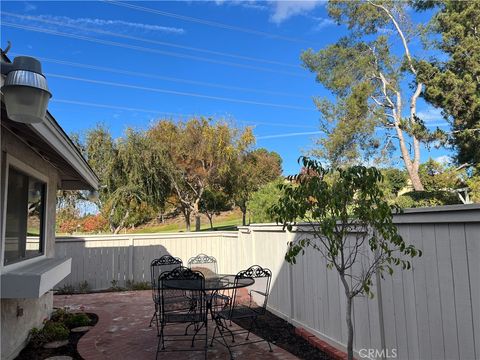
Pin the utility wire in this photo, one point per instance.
(167, 78)
(141, 48)
(107, 106)
(206, 22)
(163, 43)
(276, 136)
(180, 93)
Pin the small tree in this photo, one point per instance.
(213, 203)
(349, 223)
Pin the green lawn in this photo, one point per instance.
(224, 223)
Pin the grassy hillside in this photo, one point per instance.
(228, 220)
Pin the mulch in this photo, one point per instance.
(282, 334)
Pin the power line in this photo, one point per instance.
(276, 136)
(163, 43)
(107, 106)
(168, 78)
(141, 48)
(206, 22)
(180, 93)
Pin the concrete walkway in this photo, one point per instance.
(122, 331)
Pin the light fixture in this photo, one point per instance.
(25, 90)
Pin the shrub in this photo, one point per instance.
(95, 223)
(66, 289)
(142, 285)
(52, 331)
(83, 287)
(427, 199)
(60, 315)
(115, 286)
(69, 226)
(77, 319)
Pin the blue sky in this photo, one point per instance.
(126, 66)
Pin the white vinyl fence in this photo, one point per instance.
(431, 312)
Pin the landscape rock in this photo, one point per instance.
(55, 344)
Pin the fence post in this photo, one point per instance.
(131, 272)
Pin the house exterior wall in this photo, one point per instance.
(18, 316)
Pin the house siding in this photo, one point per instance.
(18, 316)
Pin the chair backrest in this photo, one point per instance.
(172, 287)
(162, 264)
(256, 295)
(203, 263)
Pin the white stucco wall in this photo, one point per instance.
(14, 329)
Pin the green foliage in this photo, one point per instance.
(133, 183)
(77, 320)
(263, 199)
(427, 199)
(52, 331)
(354, 201)
(66, 289)
(250, 171)
(436, 176)
(115, 287)
(83, 287)
(213, 202)
(60, 315)
(454, 84)
(474, 186)
(394, 180)
(135, 286)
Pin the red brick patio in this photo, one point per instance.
(122, 331)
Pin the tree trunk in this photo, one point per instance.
(244, 215)
(197, 222)
(411, 166)
(187, 221)
(349, 328)
(210, 219)
(196, 213)
(348, 316)
(415, 179)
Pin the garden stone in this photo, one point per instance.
(81, 329)
(55, 344)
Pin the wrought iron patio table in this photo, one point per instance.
(212, 285)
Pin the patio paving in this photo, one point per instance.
(122, 331)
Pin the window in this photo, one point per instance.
(25, 217)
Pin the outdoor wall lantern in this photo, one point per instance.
(25, 90)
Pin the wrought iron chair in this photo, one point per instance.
(158, 266)
(172, 284)
(204, 263)
(249, 304)
(208, 266)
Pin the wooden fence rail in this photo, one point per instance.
(431, 312)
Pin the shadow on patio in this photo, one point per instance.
(123, 331)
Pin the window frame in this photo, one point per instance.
(12, 161)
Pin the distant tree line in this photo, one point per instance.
(186, 167)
